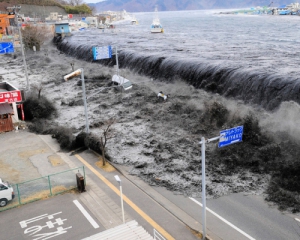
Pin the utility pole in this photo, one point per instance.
(14, 8)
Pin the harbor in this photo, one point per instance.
(290, 9)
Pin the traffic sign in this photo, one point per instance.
(6, 47)
(230, 136)
(102, 52)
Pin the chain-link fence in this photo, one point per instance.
(44, 187)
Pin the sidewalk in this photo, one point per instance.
(102, 206)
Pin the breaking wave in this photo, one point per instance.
(255, 67)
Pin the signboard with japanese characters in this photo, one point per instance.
(10, 96)
(6, 47)
(45, 226)
(102, 52)
(230, 136)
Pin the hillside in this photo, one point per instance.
(176, 5)
(33, 8)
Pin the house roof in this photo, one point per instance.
(5, 108)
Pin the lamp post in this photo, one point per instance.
(226, 137)
(119, 181)
(14, 8)
(203, 141)
(74, 74)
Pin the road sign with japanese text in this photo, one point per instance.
(102, 52)
(6, 47)
(230, 136)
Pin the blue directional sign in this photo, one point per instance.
(230, 136)
(6, 47)
(102, 52)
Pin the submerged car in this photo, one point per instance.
(121, 81)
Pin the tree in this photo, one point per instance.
(106, 135)
(63, 2)
(38, 87)
(35, 36)
(85, 9)
(75, 2)
(93, 9)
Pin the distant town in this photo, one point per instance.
(290, 9)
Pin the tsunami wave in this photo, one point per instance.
(266, 90)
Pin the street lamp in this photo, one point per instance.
(74, 74)
(15, 8)
(203, 141)
(119, 181)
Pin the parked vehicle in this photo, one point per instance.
(6, 193)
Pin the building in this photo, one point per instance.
(6, 21)
(92, 21)
(9, 97)
(62, 29)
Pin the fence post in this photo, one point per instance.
(19, 198)
(49, 185)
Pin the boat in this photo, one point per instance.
(101, 26)
(133, 20)
(156, 26)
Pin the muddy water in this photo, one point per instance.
(159, 139)
(252, 58)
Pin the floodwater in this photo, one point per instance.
(254, 58)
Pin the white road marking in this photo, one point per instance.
(86, 214)
(297, 219)
(224, 220)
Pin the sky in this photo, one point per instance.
(93, 1)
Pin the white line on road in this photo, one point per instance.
(297, 219)
(224, 220)
(86, 214)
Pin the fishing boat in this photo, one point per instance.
(156, 27)
(134, 20)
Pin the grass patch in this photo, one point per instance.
(108, 167)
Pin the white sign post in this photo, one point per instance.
(227, 137)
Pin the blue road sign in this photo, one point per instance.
(230, 136)
(102, 52)
(6, 47)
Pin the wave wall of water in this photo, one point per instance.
(257, 88)
(254, 59)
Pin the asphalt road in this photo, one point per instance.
(249, 213)
(57, 217)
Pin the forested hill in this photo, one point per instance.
(175, 5)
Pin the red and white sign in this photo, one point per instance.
(70, 15)
(10, 96)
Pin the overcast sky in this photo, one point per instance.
(92, 1)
